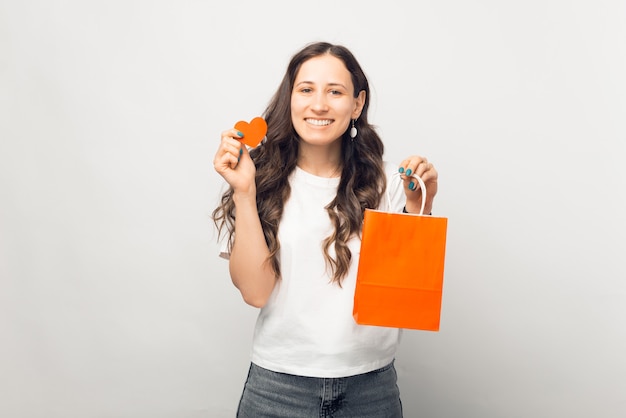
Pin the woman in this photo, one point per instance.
(293, 245)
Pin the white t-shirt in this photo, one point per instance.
(306, 328)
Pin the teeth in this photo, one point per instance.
(319, 122)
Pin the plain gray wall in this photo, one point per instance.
(113, 301)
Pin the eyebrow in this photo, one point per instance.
(329, 84)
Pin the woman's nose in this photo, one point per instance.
(320, 103)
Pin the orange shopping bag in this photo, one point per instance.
(400, 271)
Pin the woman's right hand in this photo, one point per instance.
(232, 161)
(249, 270)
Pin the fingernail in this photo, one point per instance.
(240, 151)
(239, 134)
(408, 172)
(401, 170)
(412, 185)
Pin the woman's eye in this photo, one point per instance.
(306, 90)
(335, 92)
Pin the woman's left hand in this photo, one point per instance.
(416, 165)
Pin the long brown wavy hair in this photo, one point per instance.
(362, 182)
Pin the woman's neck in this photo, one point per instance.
(321, 163)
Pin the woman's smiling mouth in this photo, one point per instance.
(319, 122)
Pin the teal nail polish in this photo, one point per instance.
(239, 134)
(412, 185)
(401, 170)
(408, 172)
(240, 151)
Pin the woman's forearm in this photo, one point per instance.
(250, 270)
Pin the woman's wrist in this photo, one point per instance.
(406, 211)
(243, 198)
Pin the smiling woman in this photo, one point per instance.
(293, 246)
(323, 103)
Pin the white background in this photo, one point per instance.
(113, 302)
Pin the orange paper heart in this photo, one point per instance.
(253, 132)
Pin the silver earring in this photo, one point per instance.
(353, 130)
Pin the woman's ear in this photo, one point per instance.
(358, 105)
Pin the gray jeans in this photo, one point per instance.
(370, 395)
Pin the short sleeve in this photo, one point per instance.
(224, 249)
(394, 198)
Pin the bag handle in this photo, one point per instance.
(422, 186)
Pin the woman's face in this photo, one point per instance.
(322, 100)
